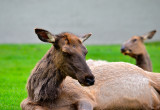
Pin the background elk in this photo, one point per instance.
(117, 85)
(135, 48)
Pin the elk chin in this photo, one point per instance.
(84, 84)
(124, 53)
(127, 52)
(132, 55)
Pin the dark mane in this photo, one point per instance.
(45, 78)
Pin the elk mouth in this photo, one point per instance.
(129, 52)
(126, 51)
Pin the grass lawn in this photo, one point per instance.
(17, 61)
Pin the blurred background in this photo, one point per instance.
(110, 21)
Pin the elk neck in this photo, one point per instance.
(143, 61)
(46, 79)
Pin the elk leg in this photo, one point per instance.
(84, 105)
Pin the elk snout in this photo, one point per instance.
(89, 80)
(123, 49)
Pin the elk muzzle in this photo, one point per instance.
(89, 81)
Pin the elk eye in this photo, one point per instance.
(66, 40)
(134, 40)
(74, 46)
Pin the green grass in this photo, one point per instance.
(17, 61)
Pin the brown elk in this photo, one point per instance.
(135, 48)
(65, 58)
(117, 85)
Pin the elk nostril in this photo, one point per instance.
(89, 80)
(122, 49)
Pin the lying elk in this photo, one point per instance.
(135, 48)
(65, 58)
(117, 85)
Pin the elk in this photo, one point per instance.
(135, 48)
(117, 85)
(124, 86)
(65, 58)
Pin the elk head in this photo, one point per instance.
(69, 55)
(135, 45)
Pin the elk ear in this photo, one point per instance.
(45, 36)
(149, 35)
(85, 37)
